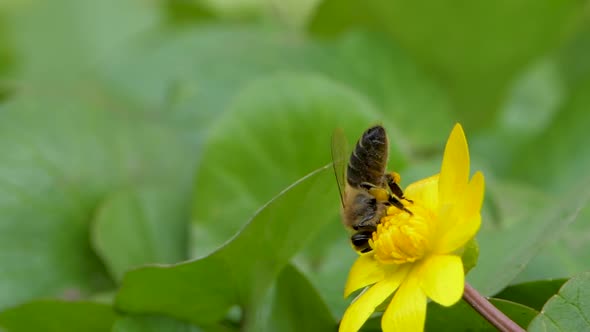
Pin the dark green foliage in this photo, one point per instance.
(169, 160)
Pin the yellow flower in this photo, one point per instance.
(418, 256)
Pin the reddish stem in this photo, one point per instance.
(489, 311)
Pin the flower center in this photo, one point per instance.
(402, 237)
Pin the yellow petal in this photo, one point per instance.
(442, 278)
(362, 308)
(459, 223)
(424, 192)
(364, 272)
(472, 199)
(407, 310)
(454, 173)
(458, 236)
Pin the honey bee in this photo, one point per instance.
(366, 190)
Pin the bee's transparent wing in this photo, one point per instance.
(339, 159)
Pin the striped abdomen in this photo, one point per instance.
(369, 158)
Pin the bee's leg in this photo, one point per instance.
(398, 204)
(385, 197)
(393, 180)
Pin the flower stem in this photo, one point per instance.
(489, 311)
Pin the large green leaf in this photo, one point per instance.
(507, 247)
(545, 162)
(536, 154)
(462, 317)
(195, 74)
(392, 80)
(465, 43)
(326, 260)
(511, 203)
(568, 310)
(61, 39)
(533, 294)
(203, 290)
(180, 12)
(265, 142)
(568, 254)
(140, 225)
(61, 153)
(571, 58)
(152, 323)
(534, 100)
(7, 62)
(294, 305)
(333, 17)
(58, 316)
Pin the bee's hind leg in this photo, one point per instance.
(393, 179)
(398, 204)
(383, 196)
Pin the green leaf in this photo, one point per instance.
(512, 202)
(464, 43)
(203, 290)
(533, 294)
(462, 317)
(393, 81)
(73, 34)
(267, 141)
(571, 58)
(505, 249)
(7, 62)
(294, 306)
(568, 310)
(61, 154)
(183, 12)
(198, 88)
(58, 316)
(140, 225)
(326, 260)
(470, 255)
(151, 323)
(333, 17)
(533, 100)
(544, 162)
(568, 254)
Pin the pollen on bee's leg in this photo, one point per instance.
(380, 194)
(395, 177)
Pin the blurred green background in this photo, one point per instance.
(146, 131)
